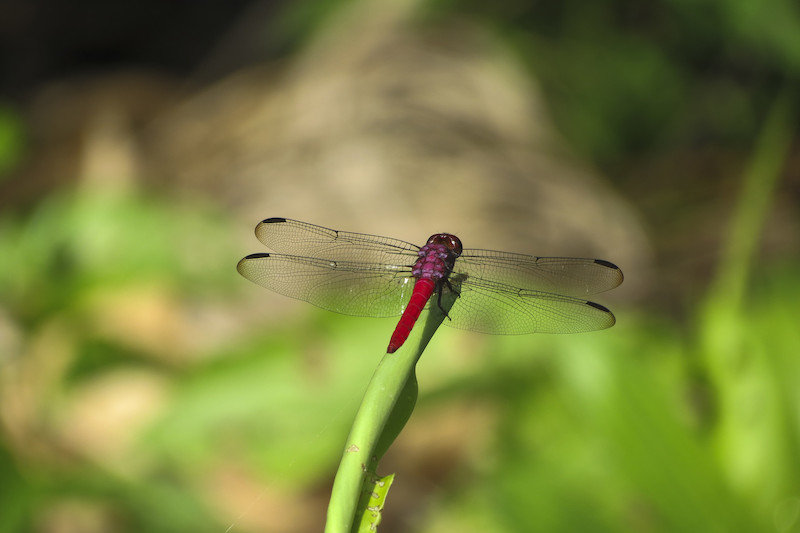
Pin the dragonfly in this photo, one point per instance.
(368, 275)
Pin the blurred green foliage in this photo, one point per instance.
(253, 405)
(627, 432)
(624, 78)
(12, 139)
(74, 246)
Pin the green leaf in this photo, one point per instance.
(373, 498)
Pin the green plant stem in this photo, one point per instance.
(758, 190)
(386, 407)
(750, 405)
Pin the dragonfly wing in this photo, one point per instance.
(344, 287)
(284, 235)
(566, 276)
(498, 308)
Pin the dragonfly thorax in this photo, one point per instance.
(437, 257)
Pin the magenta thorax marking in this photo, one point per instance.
(437, 257)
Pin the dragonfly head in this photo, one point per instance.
(451, 242)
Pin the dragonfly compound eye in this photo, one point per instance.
(451, 242)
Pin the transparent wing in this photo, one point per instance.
(566, 276)
(350, 288)
(300, 238)
(497, 308)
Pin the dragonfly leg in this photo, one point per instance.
(439, 296)
(449, 286)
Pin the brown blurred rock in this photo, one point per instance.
(385, 125)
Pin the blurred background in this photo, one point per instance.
(146, 386)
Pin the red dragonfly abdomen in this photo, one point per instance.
(423, 289)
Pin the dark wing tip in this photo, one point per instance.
(612, 266)
(607, 264)
(610, 318)
(240, 264)
(273, 220)
(599, 307)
